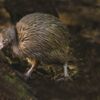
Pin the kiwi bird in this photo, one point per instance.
(40, 38)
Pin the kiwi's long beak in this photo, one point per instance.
(1, 46)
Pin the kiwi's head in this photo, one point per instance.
(6, 36)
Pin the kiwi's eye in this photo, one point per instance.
(5, 41)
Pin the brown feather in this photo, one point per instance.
(43, 37)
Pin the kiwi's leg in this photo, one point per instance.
(34, 64)
(66, 74)
(29, 72)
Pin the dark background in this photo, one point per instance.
(82, 17)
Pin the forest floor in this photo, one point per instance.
(85, 77)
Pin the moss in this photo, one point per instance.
(19, 86)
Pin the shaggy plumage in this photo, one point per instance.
(40, 38)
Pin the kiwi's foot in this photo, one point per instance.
(22, 76)
(27, 76)
(62, 78)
